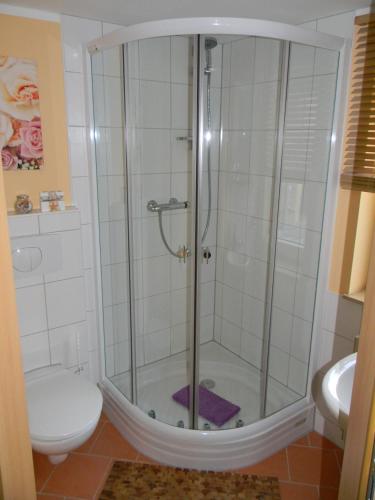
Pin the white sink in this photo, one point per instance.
(337, 388)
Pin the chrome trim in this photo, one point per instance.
(284, 68)
(128, 204)
(197, 169)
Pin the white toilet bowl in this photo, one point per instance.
(63, 409)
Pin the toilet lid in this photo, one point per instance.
(60, 404)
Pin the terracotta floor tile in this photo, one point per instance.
(313, 466)
(303, 441)
(145, 459)
(276, 465)
(328, 494)
(85, 448)
(42, 469)
(42, 496)
(79, 476)
(292, 491)
(110, 443)
(319, 441)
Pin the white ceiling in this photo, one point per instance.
(133, 11)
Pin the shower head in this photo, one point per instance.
(210, 43)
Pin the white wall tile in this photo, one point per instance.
(75, 99)
(281, 329)
(267, 57)
(301, 339)
(69, 344)
(155, 104)
(23, 225)
(156, 312)
(180, 338)
(262, 152)
(332, 348)
(231, 336)
(35, 351)
(251, 349)
(59, 221)
(87, 246)
(78, 151)
(279, 365)
(76, 31)
(156, 275)
(181, 111)
(113, 101)
(305, 297)
(155, 151)
(81, 196)
(240, 111)
(157, 345)
(253, 316)
(31, 309)
(297, 377)
(155, 59)
(242, 61)
(181, 59)
(112, 62)
(71, 263)
(65, 302)
(284, 289)
(265, 106)
(301, 61)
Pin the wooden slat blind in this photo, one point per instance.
(358, 169)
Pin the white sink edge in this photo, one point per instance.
(338, 409)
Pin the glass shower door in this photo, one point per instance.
(240, 89)
(309, 108)
(107, 86)
(159, 104)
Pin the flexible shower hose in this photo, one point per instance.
(209, 195)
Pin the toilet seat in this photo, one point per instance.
(61, 405)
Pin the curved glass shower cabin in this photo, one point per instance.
(212, 156)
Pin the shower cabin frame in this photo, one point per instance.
(243, 446)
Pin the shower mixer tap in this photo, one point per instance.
(173, 204)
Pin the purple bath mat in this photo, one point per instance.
(211, 406)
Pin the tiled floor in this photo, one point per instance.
(308, 469)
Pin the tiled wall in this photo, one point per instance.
(249, 117)
(341, 319)
(160, 168)
(309, 114)
(52, 305)
(249, 114)
(76, 32)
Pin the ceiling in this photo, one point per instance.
(133, 11)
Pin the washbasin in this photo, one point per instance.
(337, 388)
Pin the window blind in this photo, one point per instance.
(358, 168)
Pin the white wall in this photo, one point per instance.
(53, 304)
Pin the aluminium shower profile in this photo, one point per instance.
(284, 70)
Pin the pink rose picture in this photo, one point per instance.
(21, 141)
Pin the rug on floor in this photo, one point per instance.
(130, 480)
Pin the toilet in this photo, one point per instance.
(63, 410)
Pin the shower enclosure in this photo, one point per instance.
(212, 154)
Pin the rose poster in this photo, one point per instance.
(20, 127)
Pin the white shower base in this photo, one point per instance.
(237, 381)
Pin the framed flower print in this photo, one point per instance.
(20, 125)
